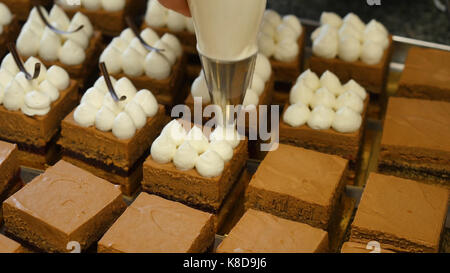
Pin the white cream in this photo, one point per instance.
(323, 97)
(113, 5)
(355, 87)
(223, 149)
(330, 18)
(197, 139)
(371, 53)
(200, 89)
(175, 132)
(286, 51)
(326, 45)
(321, 118)
(346, 121)
(163, 150)
(349, 49)
(263, 67)
(5, 15)
(251, 98)
(351, 100)
(156, 15)
(185, 157)
(228, 133)
(310, 79)
(210, 164)
(300, 93)
(123, 127)
(332, 83)
(219, 16)
(296, 114)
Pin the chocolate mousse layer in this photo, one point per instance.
(155, 225)
(416, 140)
(298, 184)
(260, 232)
(402, 215)
(426, 75)
(65, 204)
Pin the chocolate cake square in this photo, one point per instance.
(352, 247)
(117, 160)
(9, 166)
(36, 135)
(155, 225)
(299, 185)
(260, 232)
(110, 23)
(10, 246)
(416, 140)
(402, 215)
(65, 204)
(426, 75)
(372, 77)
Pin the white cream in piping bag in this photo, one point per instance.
(220, 38)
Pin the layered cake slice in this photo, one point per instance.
(416, 140)
(299, 185)
(352, 50)
(63, 206)
(10, 246)
(161, 71)
(402, 215)
(21, 8)
(155, 225)
(10, 180)
(31, 110)
(326, 116)
(106, 16)
(9, 28)
(426, 75)
(163, 20)
(61, 41)
(282, 40)
(112, 138)
(186, 165)
(260, 232)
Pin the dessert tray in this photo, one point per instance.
(369, 153)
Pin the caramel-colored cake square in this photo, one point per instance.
(371, 77)
(102, 153)
(416, 140)
(402, 215)
(352, 247)
(21, 8)
(189, 187)
(36, 136)
(298, 184)
(260, 232)
(426, 75)
(10, 246)
(110, 23)
(155, 225)
(9, 165)
(65, 204)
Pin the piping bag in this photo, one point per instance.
(226, 33)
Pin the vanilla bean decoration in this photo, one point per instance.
(109, 84)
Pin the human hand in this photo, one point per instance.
(180, 6)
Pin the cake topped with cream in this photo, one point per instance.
(107, 5)
(189, 149)
(278, 36)
(37, 39)
(32, 97)
(5, 17)
(159, 16)
(124, 117)
(324, 103)
(349, 38)
(263, 71)
(127, 54)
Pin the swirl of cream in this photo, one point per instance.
(58, 77)
(156, 66)
(9, 64)
(173, 42)
(49, 89)
(50, 44)
(257, 85)
(14, 96)
(25, 84)
(285, 33)
(168, 52)
(123, 127)
(321, 118)
(346, 120)
(371, 53)
(326, 45)
(149, 36)
(124, 87)
(91, 4)
(156, 15)
(351, 100)
(185, 157)
(175, 132)
(113, 5)
(36, 103)
(200, 89)
(349, 49)
(30, 65)
(286, 51)
(227, 133)
(222, 148)
(374, 25)
(94, 97)
(163, 150)
(272, 17)
(58, 17)
(210, 164)
(331, 82)
(175, 21)
(190, 25)
(81, 38)
(310, 79)
(294, 23)
(263, 67)
(104, 119)
(5, 15)
(138, 46)
(349, 30)
(268, 29)
(28, 41)
(115, 107)
(266, 44)
(357, 88)
(323, 97)
(134, 110)
(301, 93)
(197, 139)
(147, 101)
(84, 115)
(100, 84)
(111, 56)
(5, 78)
(132, 62)
(330, 18)
(127, 35)
(71, 53)
(296, 114)
(251, 98)
(355, 21)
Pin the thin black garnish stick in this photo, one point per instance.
(15, 54)
(133, 27)
(54, 29)
(109, 84)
